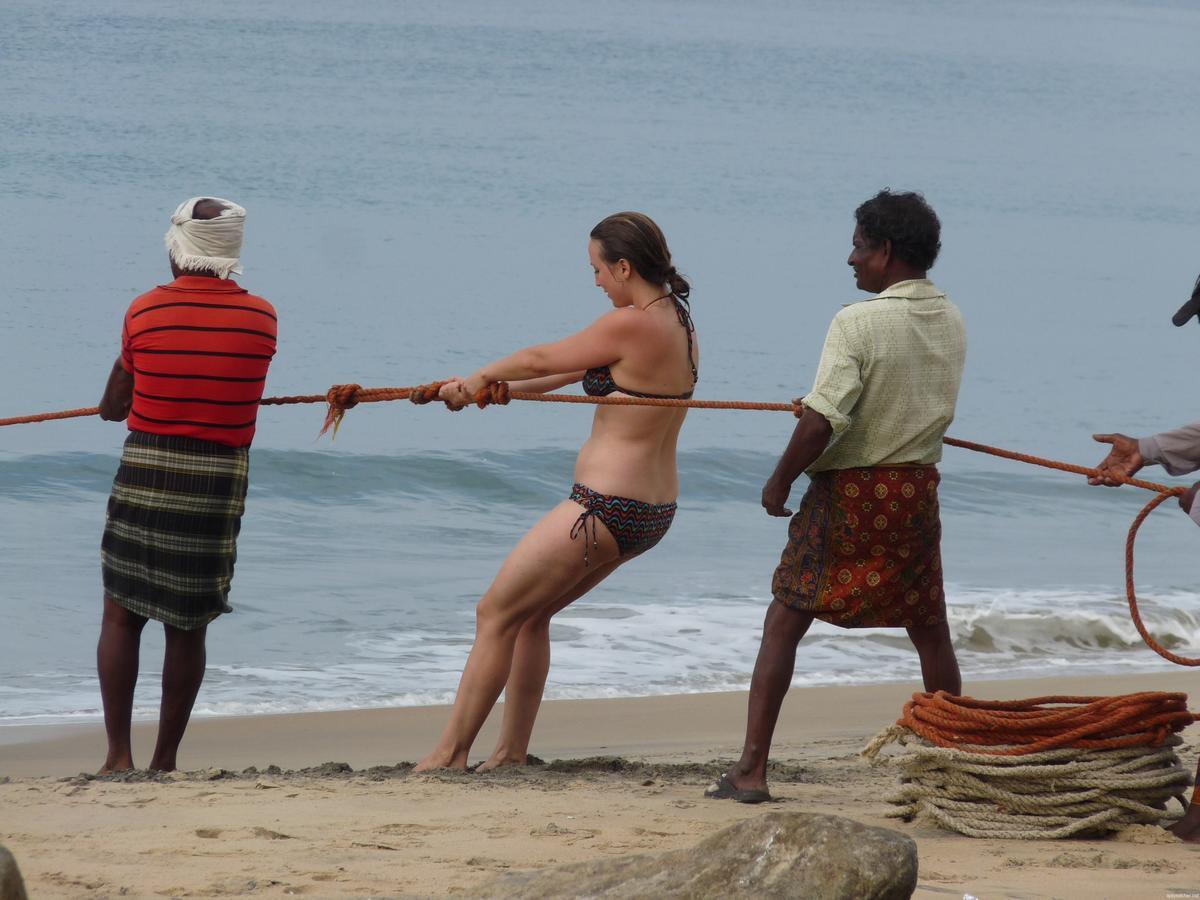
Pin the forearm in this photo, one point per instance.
(1176, 451)
(547, 384)
(118, 394)
(809, 440)
(526, 364)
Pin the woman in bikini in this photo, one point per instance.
(626, 481)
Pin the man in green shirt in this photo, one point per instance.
(864, 547)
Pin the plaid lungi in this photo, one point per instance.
(864, 549)
(170, 539)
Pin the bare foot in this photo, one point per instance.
(438, 760)
(114, 765)
(501, 759)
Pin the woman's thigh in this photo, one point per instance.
(547, 566)
(596, 575)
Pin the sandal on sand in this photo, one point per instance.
(724, 789)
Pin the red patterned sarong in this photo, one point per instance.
(864, 549)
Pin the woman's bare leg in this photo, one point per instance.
(527, 676)
(544, 565)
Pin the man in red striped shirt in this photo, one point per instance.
(193, 364)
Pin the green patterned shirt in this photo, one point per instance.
(888, 378)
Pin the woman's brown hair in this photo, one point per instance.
(633, 236)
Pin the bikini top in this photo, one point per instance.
(599, 382)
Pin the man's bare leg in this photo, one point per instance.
(183, 672)
(527, 677)
(1188, 828)
(782, 631)
(939, 665)
(117, 665)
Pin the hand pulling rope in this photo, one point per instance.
(342, 397)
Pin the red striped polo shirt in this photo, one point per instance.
(198, 349)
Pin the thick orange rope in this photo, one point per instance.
(342, 397)
(1019, 727)
(46, 417)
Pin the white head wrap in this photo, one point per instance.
(208, 245)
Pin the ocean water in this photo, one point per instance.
(421, 179)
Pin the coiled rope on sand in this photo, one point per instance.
(343, 397)
(1047, 767)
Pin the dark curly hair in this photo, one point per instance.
(905, 219)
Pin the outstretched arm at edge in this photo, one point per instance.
(1176, 451)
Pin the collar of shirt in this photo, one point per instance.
(204, 284)
(914, 289)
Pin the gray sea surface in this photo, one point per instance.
(421, 179)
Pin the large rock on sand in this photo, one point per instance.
(11, 885)
(772, 855)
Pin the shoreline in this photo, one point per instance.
(220, 828)
(667, 726)
(22, 731)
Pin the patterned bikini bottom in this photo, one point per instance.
(636, 525)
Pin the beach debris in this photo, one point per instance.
(774, 855)
(260, 832)
(486, 862)
(12, 887)
(1146, 834)
(328, 768)
(1101, 860)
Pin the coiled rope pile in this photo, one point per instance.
(1047, 767)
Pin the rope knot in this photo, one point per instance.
(497, 393)
(798, 407)
(425, 393)
(343, 396)
(340, 398)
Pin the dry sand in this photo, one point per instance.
(321, 831)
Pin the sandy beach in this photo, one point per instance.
(628, 778)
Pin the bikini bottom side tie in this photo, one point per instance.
(635, 524)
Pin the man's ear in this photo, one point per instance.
(886, 249)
